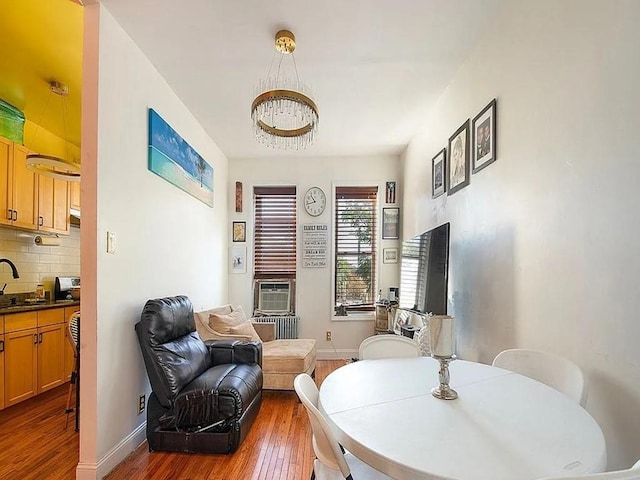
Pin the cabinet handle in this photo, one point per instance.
(35, 338)
(40, 341)
(9, 214)
(15, 218)
(1, 346)
(41, 221)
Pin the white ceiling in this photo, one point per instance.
(375, 67)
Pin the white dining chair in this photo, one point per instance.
(632, 473)
(331, 462)
(548, 368)
(387, 346)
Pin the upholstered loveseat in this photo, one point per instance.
(282, 359)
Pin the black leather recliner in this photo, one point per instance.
(205, 397)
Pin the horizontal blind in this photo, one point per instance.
(275, 231)
(413, 261)
(355, 247)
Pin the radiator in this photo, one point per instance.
(286, 325)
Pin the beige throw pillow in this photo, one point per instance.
(223, 322)
(247, 329)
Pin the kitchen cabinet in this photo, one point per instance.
(1, 362)
(34, 353)
(27, 200)
(53, 205)
(74, 195)
(18, 187)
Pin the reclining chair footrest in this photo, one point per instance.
(191, 442)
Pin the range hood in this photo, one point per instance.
(74, 216)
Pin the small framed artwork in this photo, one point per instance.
(238, 197)
(389, 255)
(458, 166)
(238, 259)
(239, 231)
(390, 192)
(390, 223)
(437, 173)
(484, 133)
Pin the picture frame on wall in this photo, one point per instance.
(483, 129)
(238, 259)
(459, 164)
(390, 193)
(389, 255)
(239, 231)
(438, 172)
(390, 223)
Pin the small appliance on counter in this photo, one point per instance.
(66, 288)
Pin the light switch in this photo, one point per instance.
(111, 242)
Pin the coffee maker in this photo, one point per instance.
(62, 287)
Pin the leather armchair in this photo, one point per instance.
(205, 397)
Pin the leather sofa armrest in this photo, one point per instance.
(233, 351)
(266, 330)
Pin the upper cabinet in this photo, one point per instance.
(18, 187)
(27, 200)
(74, 195)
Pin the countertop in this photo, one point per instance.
(30, 307)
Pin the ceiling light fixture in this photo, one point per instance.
(49, 165)
(283, 114)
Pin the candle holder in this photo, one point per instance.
(443, 391)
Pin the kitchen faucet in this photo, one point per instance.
(13, 267)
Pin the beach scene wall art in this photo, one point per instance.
(173, 159)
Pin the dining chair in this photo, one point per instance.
(632, 473)
(387, 346)
(548, 368)
(73, 335)
(332, 462)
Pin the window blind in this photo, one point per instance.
(274, 253)
(355, 247)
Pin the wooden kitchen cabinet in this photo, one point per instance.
(74, 195)
(1, 370)
(18, 187)
(21, 365)
(53, 205)
(34, 354)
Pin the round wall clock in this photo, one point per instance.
(315, 201)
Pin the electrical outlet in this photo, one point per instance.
(142, 400)
(328, 335)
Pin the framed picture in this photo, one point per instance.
(389, 255)
(437, 173)
(458, 166)
(238, 197)
(390, 196)
(391, 223)
(484, 133)
(239, 231)
(238, 259)
(172, 158)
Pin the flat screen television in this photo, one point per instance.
(424, 272)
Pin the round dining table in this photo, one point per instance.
(502, 426)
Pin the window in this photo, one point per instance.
(355, 249)
(274, 251)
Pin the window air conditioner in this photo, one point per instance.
(274, 297)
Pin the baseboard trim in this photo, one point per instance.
(118, 453)
(86, 471)
(336, 354)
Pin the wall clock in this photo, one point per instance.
(315, 201)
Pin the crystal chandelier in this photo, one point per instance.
(283, 113)
(48, 165)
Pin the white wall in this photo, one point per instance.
(544, 250)
(168, 242)
(313, 285)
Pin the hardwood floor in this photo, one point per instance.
(35, 445)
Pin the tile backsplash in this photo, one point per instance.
(37, 264)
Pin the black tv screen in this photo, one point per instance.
(424, 271)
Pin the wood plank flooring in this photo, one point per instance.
(35, 445)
